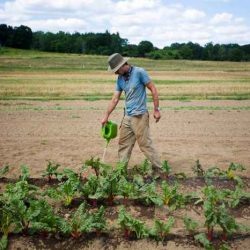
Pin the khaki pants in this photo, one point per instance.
(136, 128)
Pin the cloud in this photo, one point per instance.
(153, 20)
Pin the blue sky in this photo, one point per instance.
(160, 21)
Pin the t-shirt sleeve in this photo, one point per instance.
(118, 87)
(144, 77)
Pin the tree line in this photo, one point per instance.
(106, 43)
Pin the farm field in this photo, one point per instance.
(51, 106)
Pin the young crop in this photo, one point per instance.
(126, 189)
(131, 225)
(51, 170)
(166, 168)
(162, 229)
(25, 173)
(190, 224)
(198, 170)
(170, 197)
(203, 240)
(65, 192)
(4, 170)
(149, 195)
(82, 221)
(98, 167)
(144, 169)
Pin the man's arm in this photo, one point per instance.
(152, 88)
(115, 99)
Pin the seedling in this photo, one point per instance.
(131, 225)
(166, 168)
(162, 229)
(51, 170)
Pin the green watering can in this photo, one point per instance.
(109, 131)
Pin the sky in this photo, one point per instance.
(161, 22)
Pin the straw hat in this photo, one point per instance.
(115, 61)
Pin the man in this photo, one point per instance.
(135, 124)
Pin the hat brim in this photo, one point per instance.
(125, 59)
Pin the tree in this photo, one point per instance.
(6, 35)
(145, 47)
(22, 37)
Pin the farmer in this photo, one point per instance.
(135, 124)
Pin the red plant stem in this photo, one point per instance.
(94, 203)
(210, 234)
(75, 235)
(126, 233)
(125, 199)
(224, 236)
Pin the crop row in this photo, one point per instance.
(25, 209)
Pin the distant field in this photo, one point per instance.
(50, 76)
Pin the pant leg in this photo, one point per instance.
(126, 140)
(140, 126)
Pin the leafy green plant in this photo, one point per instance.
(170, 196)
(130, 225)
(190, 224)
(126, 189)
(145, 168)
(4, 242)
(198, 170)
(82, 221)
(98, 167)
(51, 170)
(161, 229)
(4, 170)
(166, 168)
(65, 192)
(149, 195)
(25, 173)
(99, 223)
(203, 240)
(78, 223)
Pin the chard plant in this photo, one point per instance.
(190, 224)
(65, 192)
(216, 213)
(130, 225)
(98, 167)
(25, 173)
(149, 195)
(166, 168)
(171, 197)
(204, 241)
(51, 170)
(4, 170)
(108, 187)
(82, 221)
(161, 229)
(145, 168)
(126, 189)
(198, 169)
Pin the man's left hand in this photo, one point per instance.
(157, 115)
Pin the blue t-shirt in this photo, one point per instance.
(134, 87)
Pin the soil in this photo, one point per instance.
(68, 133)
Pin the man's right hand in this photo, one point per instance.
(104, 120)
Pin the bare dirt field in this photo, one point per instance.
(68, 132)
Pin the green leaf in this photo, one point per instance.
(3, 242)
(4, 170)
(202, 238)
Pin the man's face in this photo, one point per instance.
(122, 70)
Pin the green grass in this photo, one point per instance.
(71, 108)
(34, 75)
